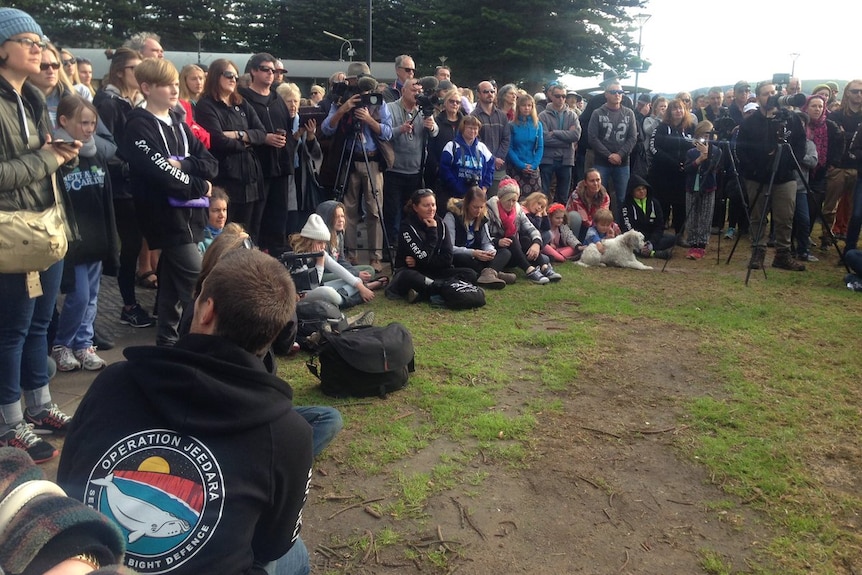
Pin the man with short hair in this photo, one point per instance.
(276, 154)
(196, 451)
(443, 73)
(404, 68)
(794, 86)
(756, 147)
(741, 91)
(495, 131)
(147, 44)
(410, 134)
(713, 110)
(359, 126)
(613, 135)
(561, 130)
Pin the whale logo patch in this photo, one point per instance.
(165, 491)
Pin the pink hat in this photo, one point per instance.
(508, 187)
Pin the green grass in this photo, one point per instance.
(784, 353)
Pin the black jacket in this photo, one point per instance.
(756, 144)
(202, 450)
(239, 170)
(649, 222)
(113, 112)
(148, 143)
(272, 113)
(429, 246)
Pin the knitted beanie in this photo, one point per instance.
(315, 229)
(508, 187)
(40, 526)
(14, 22)
(819, 87)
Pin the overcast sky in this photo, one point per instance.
(700, 44)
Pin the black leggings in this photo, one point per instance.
(130, 247)
(406, 279)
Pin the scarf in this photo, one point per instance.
(88, 150)
(507, 220)
(817, 133)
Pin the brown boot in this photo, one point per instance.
(488, 279)
(507, 277)
(757, 255)
(784, 260)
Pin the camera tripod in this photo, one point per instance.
(342, 178)
(765, 190)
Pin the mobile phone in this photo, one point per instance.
(61, 143)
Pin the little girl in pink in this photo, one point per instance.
(563, 244)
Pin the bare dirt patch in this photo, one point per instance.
(605, 489)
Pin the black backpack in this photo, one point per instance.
(459, 294)
(364, 361)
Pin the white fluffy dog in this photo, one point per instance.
(619, 252)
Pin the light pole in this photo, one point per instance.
(641, 20)
(344, 41)
(370, 28)
(199, 36)
(793, 56)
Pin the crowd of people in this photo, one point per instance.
(162, 177)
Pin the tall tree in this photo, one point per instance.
(529, 41)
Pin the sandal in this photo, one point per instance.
(144, 281)
(378, 283)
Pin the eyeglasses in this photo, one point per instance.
(489, 91)
(229, 75)
(453, 102)
(408, 70)
(52, 65)
(616, 92)
(28, 43)
(855, 91)
(266, 69)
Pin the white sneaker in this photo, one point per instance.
(89, 360)
(65, 359)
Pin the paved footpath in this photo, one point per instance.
(67, 389)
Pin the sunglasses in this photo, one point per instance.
(229, 75)
(489, 91)
(47, 66)
(559, 96)
(616, 92)
(68, 62)
(266, 69)
(280, 71)
(410, 70)
(855, 91)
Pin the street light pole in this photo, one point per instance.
(641, 19)
(793, 56)
(370, 27)
(199, 36)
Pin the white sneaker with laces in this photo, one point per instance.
(65, 359)
(89, 360)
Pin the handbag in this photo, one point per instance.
(32, 241)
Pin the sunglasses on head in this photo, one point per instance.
(52, 65)
(229, 75)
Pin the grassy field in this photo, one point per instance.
(781, 437)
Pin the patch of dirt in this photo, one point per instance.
(604, 492)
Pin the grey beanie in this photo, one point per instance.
(14, 22)
(315, 229)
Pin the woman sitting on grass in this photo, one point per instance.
(423, 261)
(467, 226)
(345, 291)
(335, 217)
(508, 224)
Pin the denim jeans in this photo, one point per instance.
(855, 218)
(801, 224)
(23, 337)
(75, 327)
(564, 180)
(616, 177)
(325, 424)
(294, 562)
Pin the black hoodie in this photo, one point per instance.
(649, 222)
(196, 452)
(148, 144)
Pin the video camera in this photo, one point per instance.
(342, 91)
(428, 103)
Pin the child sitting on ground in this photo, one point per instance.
(334, 216)
(536, 209)
(217, 217)
(603, 228)
(562, 243)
